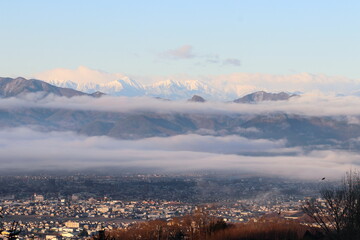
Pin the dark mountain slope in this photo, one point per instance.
(264, 96)
(297, 130)
(14, 87)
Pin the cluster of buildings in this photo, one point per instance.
(78, 206)
(93, 208)
(75, 218)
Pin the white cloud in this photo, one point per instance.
(242, 83)
(80, 75)
(186, 52)
(311, 104)
(23, 148)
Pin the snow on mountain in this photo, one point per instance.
(89, 80)
(221, 87)
(121, 87)
(180, 90)
(128, 87)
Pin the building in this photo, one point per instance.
(38, 198)
(72, 224)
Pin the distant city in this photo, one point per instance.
(80, 205)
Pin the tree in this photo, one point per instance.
(338, 212)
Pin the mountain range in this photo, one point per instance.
(15, 87)
(168, 89)
(306, 131)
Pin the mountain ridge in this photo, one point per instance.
(126, 86)
(261, 96)
(15, 87)
(172, 90)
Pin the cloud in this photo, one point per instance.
(310, 104)
(186, 52)
(23, 148)
(80, 75)
(212, 59)
(183, 52)
(238, 84)
(232, 61)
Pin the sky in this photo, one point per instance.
(196, 38)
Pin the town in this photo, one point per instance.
(69, 218)
(81, 211)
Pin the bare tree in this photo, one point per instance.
(338, 212)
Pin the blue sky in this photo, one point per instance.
(181, 37)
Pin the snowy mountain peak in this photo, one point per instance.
(165, 84)
(187, 84)
(180, 89)
(89, 80)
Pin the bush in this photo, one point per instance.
(200, 226)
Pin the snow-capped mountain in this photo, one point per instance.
(121, 87)
(89, 80)
(128, 87)
(180, 90)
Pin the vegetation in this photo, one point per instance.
(338, 214)
(201, 226)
